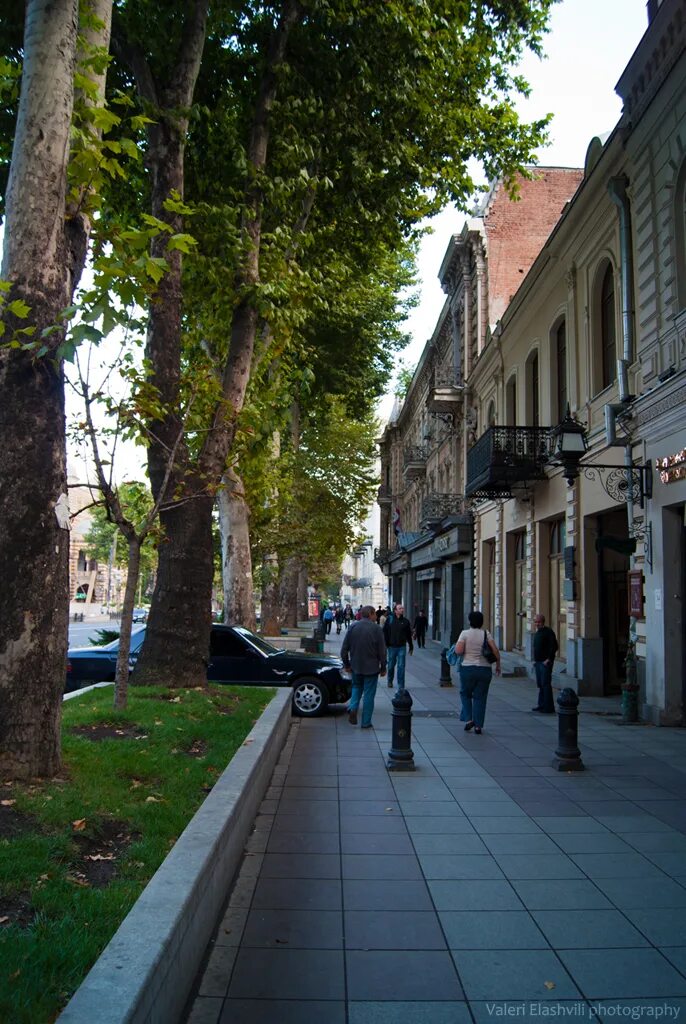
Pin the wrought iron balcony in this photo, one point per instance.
(439, 505)
(382, 556)
(414, 461)
(507, 457)
(383, 496)
(447, 390)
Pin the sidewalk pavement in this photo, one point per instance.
(483, 885)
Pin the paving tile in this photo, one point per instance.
(297, 894)
(573, 894)
(494, 929)
(661, 893)
(656, 842)
(231, 927)
(206, 1010)
(551, 808)
(632, 823)
(431, 808)
(639, 1009)
(424, 789)
(217, 972)
(311, 822)
(365, 894)
(420, 826)
(513, 975)
(619, 865)
(663, 927)
(415, 1012)
(566, 824)
(308, 793)
(379, 791)
(475, 784)
(459, 866)
(370, 865)
(402, 976)
(294, 929)
(671, 862)
(322, 781)
(478, 894)
(537, 865)
(372, 824)
(501, 808)
(283, 1012)
(676, 956)
(596, 842)
(459, 844)
(277, 974)
(308, 842)
(494, 825)
(526, 843)
(527, 1010)
(623, 973)
(587, 929)
(385, 843)
(295, 865)
(380, 808)
(392, 929)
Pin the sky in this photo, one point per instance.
(588, 47)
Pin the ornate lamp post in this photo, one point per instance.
(570, 444)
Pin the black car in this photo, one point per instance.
(236, 656)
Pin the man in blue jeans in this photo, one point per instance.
(545, 648)
(364, 651)
(397, 633)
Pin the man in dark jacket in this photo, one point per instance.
(397, 633)
(545, 647)
(364, 651)
(420, 624)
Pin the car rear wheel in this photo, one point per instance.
(310, 698)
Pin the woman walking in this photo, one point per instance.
(475, 671)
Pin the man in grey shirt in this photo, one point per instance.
(364, 651)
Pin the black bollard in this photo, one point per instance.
(400, 756)
(568, 755)
(446, 678)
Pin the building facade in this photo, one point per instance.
(597, 325)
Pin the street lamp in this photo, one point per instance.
(570, 444)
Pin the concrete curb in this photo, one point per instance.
(146, 972)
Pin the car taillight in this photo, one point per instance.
(68, 668)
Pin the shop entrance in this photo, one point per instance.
(520, 589)
(612, 545)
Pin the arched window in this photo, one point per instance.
(511, 402)
(491, 414)
(559, 351)
(533, 406)
(680, 236)
(608, 333)
(82, 564)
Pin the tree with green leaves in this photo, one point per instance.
(48, 208)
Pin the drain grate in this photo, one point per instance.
(436, 714)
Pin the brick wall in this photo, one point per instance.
(516, 231)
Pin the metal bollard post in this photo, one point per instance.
(568, 755)
(446, 678)
(400, 756)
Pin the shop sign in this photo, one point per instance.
(434, 573)
(672, 467)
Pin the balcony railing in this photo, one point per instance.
(507, 457)
(414, 461)
(439, 505)
(447, 389)
(361, 583)
(384, 496)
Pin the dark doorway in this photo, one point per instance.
(457, 602)
(613, 566)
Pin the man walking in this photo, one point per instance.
(397, 633)
(364, 651)
(545, 646)
(420, 626)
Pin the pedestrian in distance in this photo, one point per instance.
(348, 616)
(421, 624)
(339, 619)
(475, 671)
(545, 648)
(379, 613)
(327, 619)
(397, 633)
(364, 652)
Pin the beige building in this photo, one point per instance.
(90, 582)
(597, 322)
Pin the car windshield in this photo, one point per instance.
(137, 638)
(262, 645)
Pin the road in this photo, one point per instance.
(83, 634)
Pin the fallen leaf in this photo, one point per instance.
(15, 975)
(7, 803)
(44, 878)
(152, 800)
(4, 920)
(549, 984)
(79, 824)
(135, 784)
(99, 856)
(248, 742)
(175, 700)
(282, 942)
(158, 721)
(389, 808)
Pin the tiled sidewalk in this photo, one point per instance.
(484, 884)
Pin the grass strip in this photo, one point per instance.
(76, 851)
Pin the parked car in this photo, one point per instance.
(236, 656)
(140, 614)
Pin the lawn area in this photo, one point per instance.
(75, 852)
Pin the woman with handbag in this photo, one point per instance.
(479, 652)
